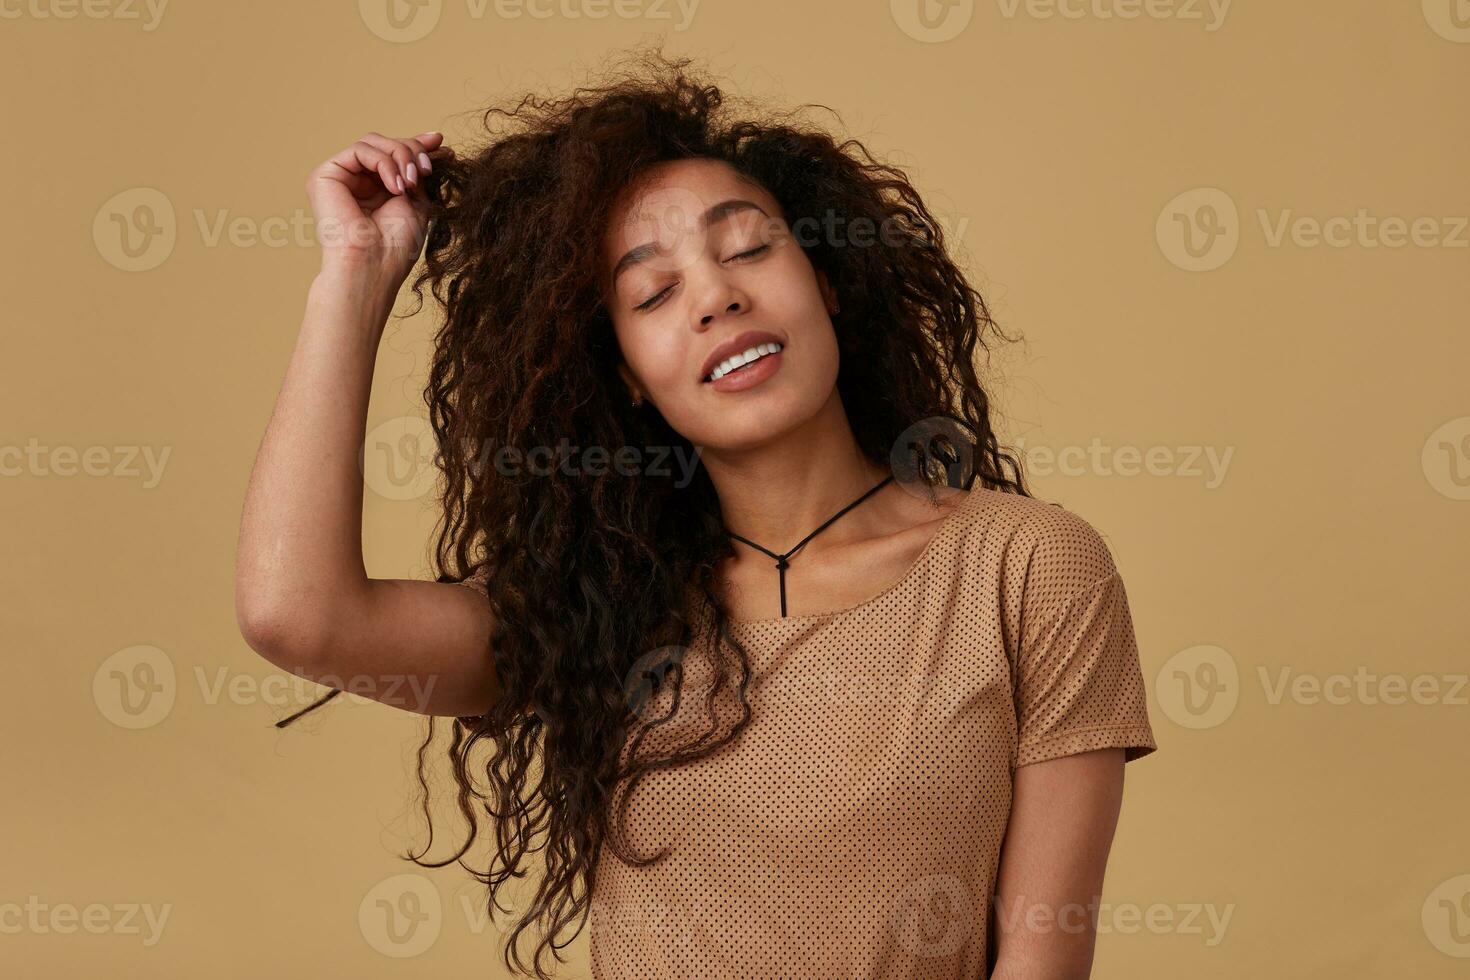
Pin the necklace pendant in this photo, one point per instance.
(781, 560)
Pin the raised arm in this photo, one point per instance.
(303, 600)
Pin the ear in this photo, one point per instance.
(829, 295)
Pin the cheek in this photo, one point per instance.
(793, 290)
(656, 355)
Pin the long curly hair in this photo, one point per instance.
(586, 575)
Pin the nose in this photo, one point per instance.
(714, 294)
(732, 307)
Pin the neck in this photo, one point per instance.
(778, 493)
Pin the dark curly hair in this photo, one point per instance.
(585, 575)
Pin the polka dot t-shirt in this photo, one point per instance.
(853, 828)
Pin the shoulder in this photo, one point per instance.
(1039, 548)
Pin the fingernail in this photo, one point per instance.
(428, 165)
(398, 179)
(413, 174)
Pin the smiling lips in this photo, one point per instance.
(749, 370)
(745, 357)
(742, 361)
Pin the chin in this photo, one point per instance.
(742, 429)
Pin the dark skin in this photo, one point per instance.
(781, 454)
(783, 459)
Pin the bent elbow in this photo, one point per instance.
(284, 638)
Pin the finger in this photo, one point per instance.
(397, 160)
(362, 158)
(424, 149)
(430, 147)
(403, 153)
(423, 163)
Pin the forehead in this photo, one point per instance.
(671, 195)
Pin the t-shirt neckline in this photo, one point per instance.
(922, 560)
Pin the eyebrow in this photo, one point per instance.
(716, 212)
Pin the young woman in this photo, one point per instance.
(774, 659)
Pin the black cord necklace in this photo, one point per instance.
(783, 560)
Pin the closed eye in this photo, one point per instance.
(755, 251)
(742, 256)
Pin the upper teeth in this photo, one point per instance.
(750, 354)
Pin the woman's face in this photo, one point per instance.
(696, 256)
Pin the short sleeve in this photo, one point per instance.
(477, 581)
(1079, 685)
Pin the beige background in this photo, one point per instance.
(1316, 831)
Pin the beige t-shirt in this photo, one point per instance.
(853, 828)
